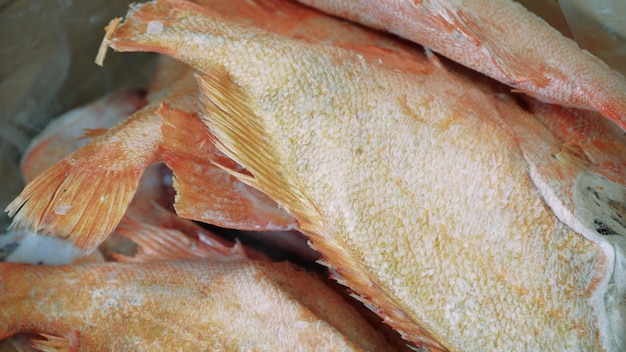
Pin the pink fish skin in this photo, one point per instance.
(501, 39)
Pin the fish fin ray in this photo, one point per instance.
(206, 192)
(84, 196)
(51, 343)
(227, 113)
(159, 244)
(54, 203)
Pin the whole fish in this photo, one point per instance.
(412, 184)
(503, 40)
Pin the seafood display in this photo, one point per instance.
(466, 215)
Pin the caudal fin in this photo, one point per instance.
(83, 197)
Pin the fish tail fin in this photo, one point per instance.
(80, 207)
(84, 196)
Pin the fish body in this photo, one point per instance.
(442, 232)
(502, 40)
(180, 305)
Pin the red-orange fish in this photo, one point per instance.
(412, 185)
(412, 181)
(120, 156)
(71, 130)
(186, 305)
(503, 40)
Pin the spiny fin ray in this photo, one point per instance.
(242, 137)
(83, 197)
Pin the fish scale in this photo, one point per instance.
(503, 40)
(311, 177)
(395, 167)
(227, 305)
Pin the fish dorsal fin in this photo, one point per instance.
(226, 110)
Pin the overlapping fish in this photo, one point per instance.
(468, 218)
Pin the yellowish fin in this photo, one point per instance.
(84, 196)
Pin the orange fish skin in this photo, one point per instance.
(204, 191)
(85, 195)
(503, 40)
(66, 133)
(181, 305)
(54, 204)
(442, 232)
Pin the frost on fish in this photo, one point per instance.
(503, 40)
(83, 197)
(410, 183)
(577, 160)
(226, 305)
(26, 247)
(204, 300)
